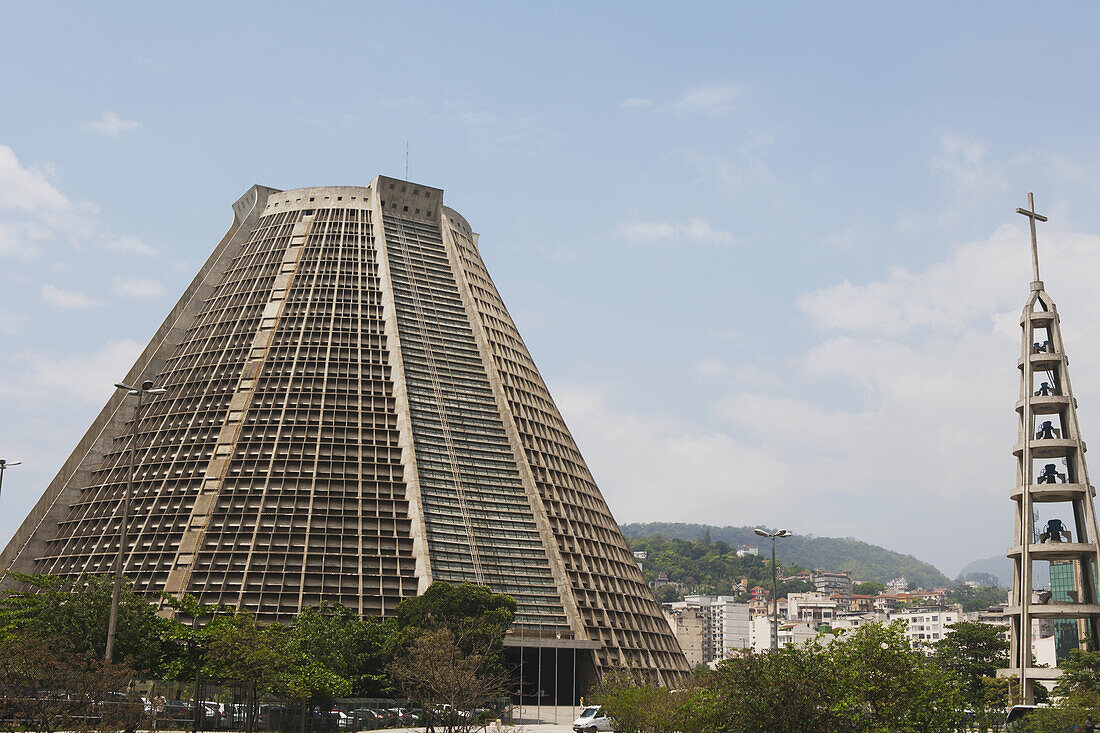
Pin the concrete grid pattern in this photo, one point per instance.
(350, 414)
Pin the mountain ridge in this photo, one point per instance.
(866, 561)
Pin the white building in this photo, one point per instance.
(813, 608)
(852, 621)
(727, 629)
(897, 585)
(796, 633)
(790, 632)
(745, 550)
(926, 626)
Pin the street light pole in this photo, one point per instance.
(6, 464)
(145, 388)
(775, 584)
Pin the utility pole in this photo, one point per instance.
(145, 388)
(775, 584)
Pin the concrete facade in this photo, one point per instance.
(1052, 480)
(350, 414)
(690, 624)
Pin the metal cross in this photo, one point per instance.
(1029, 212)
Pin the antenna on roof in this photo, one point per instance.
(406, 160)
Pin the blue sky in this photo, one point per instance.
(765, 255)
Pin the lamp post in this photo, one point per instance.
(145, 388)
(775, 585)
(6, 464)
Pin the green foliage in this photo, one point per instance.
(890, 686)
(475, 615)
(443, 674)
(334, 638)
(867, 681)
(975, 599)
(703, 567)
(1080, 680)
(987, 580)
(636, 706)
(791, 690)
(36, 669)
(666, 594)
(76, 612)
(867, 562)
(973, 653)
(327, 651)
(239, 650)
(1059, 719)
(869, 588)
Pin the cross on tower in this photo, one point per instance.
(1029, 212)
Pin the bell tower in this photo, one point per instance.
(1055, 512)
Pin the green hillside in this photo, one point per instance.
(867, 562)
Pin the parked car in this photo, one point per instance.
(366, 719)
(219, 714)
(1015, 718)
(270, 717)
(592, 719)
(179, 710)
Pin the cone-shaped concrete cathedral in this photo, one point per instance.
(1055, 513)
(350, 414)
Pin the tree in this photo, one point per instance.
(892, 687)
(448, 677)
(1080, 680)
(475, 615)
(975, 599)
(45, 686)
(77, 612)
(870, 588)
(666, 594)
(973, 653)
(867, 681)
(241, 651)
(791, 690)
(637, 706)
(352, 648)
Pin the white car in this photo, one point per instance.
(592, 720)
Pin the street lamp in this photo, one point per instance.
(145, 388)
(6, 464)
(775, 586)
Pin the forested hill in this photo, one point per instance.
(867, 562)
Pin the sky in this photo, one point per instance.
(765, 255)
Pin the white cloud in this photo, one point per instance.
(898, 418)
(33, 212)
(711, 367)
(841, 240)
(693, 230)
(67, 299)
(644, 465)
(111, 124)
(35, 215)
(129, 244)
(636, 103)
(711, 99)
(89, 377)
(11, 322)
(136, 287)
(748, 168)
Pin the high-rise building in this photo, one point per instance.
(350, 413)
(1062, 590)
(725, 625)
